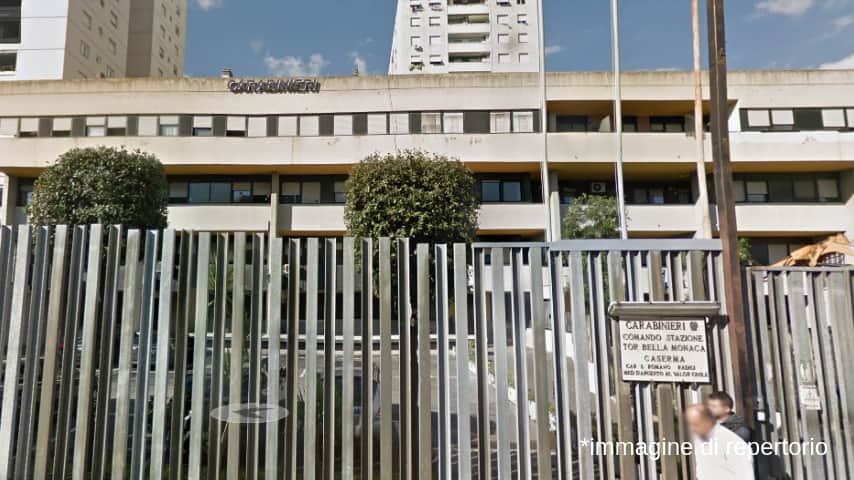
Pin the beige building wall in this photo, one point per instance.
(96, 39)
(157, 38)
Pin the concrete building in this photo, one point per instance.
(70, 39)
(259, 161)
(452, 36)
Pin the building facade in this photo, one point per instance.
(278, 159)
(73, 39)
(453, 36)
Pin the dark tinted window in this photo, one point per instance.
(7, 62)
(808, 119)
(10, 30)
(571, 123)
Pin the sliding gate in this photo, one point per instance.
(169, 354)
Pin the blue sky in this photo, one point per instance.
(328, 37)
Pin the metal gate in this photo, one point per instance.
(802, 325)
(168, 354)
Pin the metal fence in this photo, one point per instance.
(802, 325)
(169, 354)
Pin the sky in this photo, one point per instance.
(331, 37)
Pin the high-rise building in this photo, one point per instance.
(70, 39)
(451, 36)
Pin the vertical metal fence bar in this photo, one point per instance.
(143, 358)
(561, 380)
(274, 366)
(461, 331)
(499, 329)
(7, 261)
(780, 321)
(13, 350)
(220, 301)
(294, 281)
(443, 381)
(404, 309)
(258, 276)
(330, 313)
(828, 386)
(386, 362)
(482, 352)
(842, 338)
(582, 372)
(310, 390)
(61, 453)
(518, 317)
(347, 333)
(87, 354)
(235, 377)
(34, 334)
(198, 415)
(163, 354)
(599, 302)
(130, 317)
(184, 311)
(424, 382)
(367, 395)
(54, 324)
(541, 379)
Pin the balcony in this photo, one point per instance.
(468, 9)
(476, 46)
(792, 146)
(664, 219)
(789, 219)
(312, 219)
(474, 27)
(512, 217)
(457, 67)
(637, 147)
(237, 218)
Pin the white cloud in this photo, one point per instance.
(792, 8)
(208, 4)
(256, 46)
(846, 63)
(359, 62)
(842, 23)
(291, 66)
(552, 49)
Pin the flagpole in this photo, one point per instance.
(705, 230)
(544, 165)
(618, 117)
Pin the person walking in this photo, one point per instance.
(720, 403)
(719, 453)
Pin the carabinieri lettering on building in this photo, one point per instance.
(288, 85)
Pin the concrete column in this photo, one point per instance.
(10, 200)
(274, 204)
(846, 190)
(554, 205)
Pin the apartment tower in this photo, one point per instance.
(73, 39)
(452, 36)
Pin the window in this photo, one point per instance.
(571, 123)
(415, 22)
(503, 19)
(113, 47)
(453, 122)
(219, 190)
(343, 125)
(431, 123)
(309, 126)
(29, 127)
(435, 40)
(203, 126)
(522, 19)
(435, 21)
(84, 49)
(8, 61)
(797, 119)
(209, 192)
(340, 191)
(25, 192)
(503, 58)
(61, 127)
(87, 20)
(168, 126)
(377, 124)
(808, 119)
(658, 194)
(117, 126)
(503, 38)
(785, 188)
(287, 126)
(667, 124)
(301, 192)
(828, 190)
(499, 122)
(235, 127)
(523, 38)
(114, 19)
(524, 58)
(523, 122)
(494, 191)
(833, 118)
(257, 126)
(436, 60)
(8, 127)
(96, 127)
(147, 126)
(398, 123)
(756, 191)
(10, 29)
(415, 42)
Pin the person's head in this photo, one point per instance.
(720, 404)
(700, 420)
